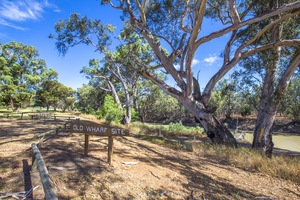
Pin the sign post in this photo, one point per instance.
(92, 128)
(86, 144)
(110, 148)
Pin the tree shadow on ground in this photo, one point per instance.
(197, 181)
(72, 170)
(12, 173)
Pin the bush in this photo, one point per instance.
(110, 110)
(134, 115)
(89, 111)
(179, 127)
(176, 127)
(246, 110)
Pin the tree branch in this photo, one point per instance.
(234, 12)
(142, 11)
(165, 39)
(286, 76)
(102, 77)
(182, 27)
(112, 5)
(156, 47)
(266, 28)
(199, 12)
(216, 7)
(238, 56)
(224, 31)
(161, 84)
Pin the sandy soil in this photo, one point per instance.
(139, 170)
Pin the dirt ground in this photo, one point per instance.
(139, 170)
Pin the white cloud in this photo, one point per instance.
(54, 7)
(22, 10)
(194, 62)
(5, 23)
(211, 59)
(57, 10)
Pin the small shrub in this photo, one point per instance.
(110, 110)
(180, 128)
(134, 115)
(176, 127)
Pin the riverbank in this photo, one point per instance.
(282, 125)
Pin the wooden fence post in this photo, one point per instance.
(45, 179)
(86, 144)
(110, 149)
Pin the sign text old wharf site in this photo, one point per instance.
(92, 128)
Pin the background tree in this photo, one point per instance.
(46, 93)
(249, 84)
(66, 96)
(157, 106)
(90, 97)
(228, 95)
(20, 74)
(291, 100)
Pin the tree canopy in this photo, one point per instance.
(21, 73)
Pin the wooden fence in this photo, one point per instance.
(37, 115)
(38, 161)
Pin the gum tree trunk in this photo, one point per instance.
(263, 129)
(216, 131)
(269, 103)
(11, 102)
(262, 138)
(263, 133)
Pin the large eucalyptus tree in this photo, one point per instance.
(176, 26)
(21, 73)
(273, 67)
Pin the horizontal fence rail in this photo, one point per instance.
(37, 160)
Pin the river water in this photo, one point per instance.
(288, 142)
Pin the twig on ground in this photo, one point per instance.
(154, 175)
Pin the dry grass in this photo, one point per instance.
(88, 116)
(280, 166)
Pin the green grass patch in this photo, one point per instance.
(172, 129)
(173, 144)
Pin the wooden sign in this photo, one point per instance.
(92, 128)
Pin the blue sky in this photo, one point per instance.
(32, 21)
